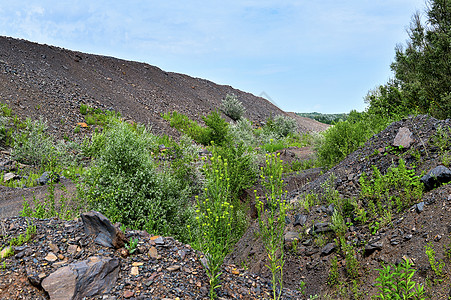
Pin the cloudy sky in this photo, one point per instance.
(321, 55)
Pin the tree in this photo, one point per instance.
(422, 68)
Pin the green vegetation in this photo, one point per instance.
(436, 266)
(345, 137)
(399, 187)
(215, 215)
(233, 107)
(325, 118)
(128, 186)
(421, 68)
(131, 246)
(271, 220)
(395, 282)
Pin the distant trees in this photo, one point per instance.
(422, 68)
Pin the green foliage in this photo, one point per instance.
(395, 282)
(324, 118)
(216, 131)
(352, 264)
(242, 167)
(125, 184)
(442, 139)
(83, 109)
(233, 107)
(63, 207)
(131, 246)
(215, 215)
(32, 145)
(271, 219)
(334, 274)
(242, 132)
(436, 266)
(345, 137)
(399, 184)
(281, 126)
(421, 67)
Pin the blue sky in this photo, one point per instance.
(305, 55)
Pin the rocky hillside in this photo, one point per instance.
(40, 80)
(311, 245)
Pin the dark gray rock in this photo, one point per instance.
(321, 227)
(290, 236)
(300, 220)
(328, 249)
(330, 210)
(86, 278)
(106, 234)
(46, 177)
(403, 138)
(287, 220)
(419, 207)
(371, 247)
(436, 177)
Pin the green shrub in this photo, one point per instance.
(281, 126)
(242, 132)
(125, 184)
(217, 129)
(232, 107)
(345, 137)
(395, 282)
(242, 166)
(271, 220)
(215, 232)
(33, 146)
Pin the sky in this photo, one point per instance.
(304, 55)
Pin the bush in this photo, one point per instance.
(345, 137)
(34, 146)
(241, 132)
(232, 107)
(126, 185)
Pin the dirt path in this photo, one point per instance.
(12, 199)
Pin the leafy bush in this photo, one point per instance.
(242, 132)
(126, 185)
(215, 232)
(232, 107)
(395, 282)
(34, 146)
(281, 126)
(345, 137)
(242, 167)
(217, 129)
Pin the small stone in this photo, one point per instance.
(173, 268)
(72, 249)
(419, 207)
(300, 220)
(235, 271)
(134, 271)
(158, 240)
(137, 264)
(128, 294)
(54, 248)
(51, 257)
(328, 249)
(290, 236)
(153, 252)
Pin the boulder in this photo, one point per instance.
(403, 138)
(106, 234)
(86, 278)
(436, 177)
